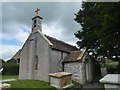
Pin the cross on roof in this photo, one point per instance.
(37, 11)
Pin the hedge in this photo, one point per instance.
(10, 68)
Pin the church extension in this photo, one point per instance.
(42, 55)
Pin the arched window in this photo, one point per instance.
(36, 62)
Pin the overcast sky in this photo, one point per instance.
(58, 21)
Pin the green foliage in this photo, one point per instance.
(100, 30)
(112, 66)
(10, 68)
(76, 84)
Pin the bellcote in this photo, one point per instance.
(36, 22)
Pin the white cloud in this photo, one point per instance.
(53, 30)
(73, 42)
(7, 51)
(14, 30)
(21, 36)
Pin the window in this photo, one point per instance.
(18, 60)
(35, 23)
(61, 63)
(36, 63)
(62, 55)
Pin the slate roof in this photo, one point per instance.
(72, 56)
(60, 45)
(75, 55)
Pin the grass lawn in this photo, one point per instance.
(9, 76)
(26, 83)
(31, 83)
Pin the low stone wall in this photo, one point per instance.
(111, 81)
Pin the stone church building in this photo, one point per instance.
(42, 55)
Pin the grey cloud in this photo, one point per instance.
(63, 13)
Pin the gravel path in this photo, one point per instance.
(92, 86)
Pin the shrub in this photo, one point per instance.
(10, 68)
(118, 68)
(112, 66)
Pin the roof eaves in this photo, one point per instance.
(69, 61)
(60, 50)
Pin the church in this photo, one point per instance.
(41, 55)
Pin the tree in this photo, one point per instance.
(100, 30)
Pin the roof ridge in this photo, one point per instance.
(61, 41)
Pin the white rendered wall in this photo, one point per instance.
(38, 46)
(42, 51)
(24, 57)
(55, 57)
